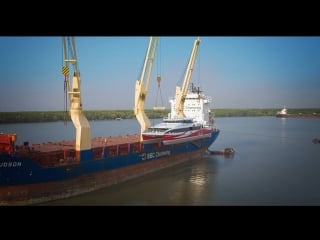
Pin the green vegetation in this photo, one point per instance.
(243, 112)
(52, 116)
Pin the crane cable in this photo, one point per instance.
(65, 72)
(159, 91)
(159, 80)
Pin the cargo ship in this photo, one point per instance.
(35, 173)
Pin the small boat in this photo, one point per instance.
(226, 152)
(316, 140)
(283, 113)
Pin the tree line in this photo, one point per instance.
(53, 116)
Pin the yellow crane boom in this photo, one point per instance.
(142, 85)
(80, 122)
(181, 91)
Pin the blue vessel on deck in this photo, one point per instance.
(35, 173)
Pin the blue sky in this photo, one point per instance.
(237, 72)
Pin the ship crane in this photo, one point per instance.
(80, 122)
(142, 86)
(181, 91)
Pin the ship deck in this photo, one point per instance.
(96, 142)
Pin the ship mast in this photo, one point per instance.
(142, 86)
(80, 122)
(181, 91)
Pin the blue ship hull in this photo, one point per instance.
(24, 181)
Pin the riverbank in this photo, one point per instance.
(299, 116)
(92, 115)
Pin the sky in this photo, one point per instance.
(237, 72)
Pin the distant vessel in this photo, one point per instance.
(35, 173)
(283, 113)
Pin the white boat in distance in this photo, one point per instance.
(283, 113)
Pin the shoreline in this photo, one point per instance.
(96, 115)
(300, 116)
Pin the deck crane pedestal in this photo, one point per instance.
(80, 122)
